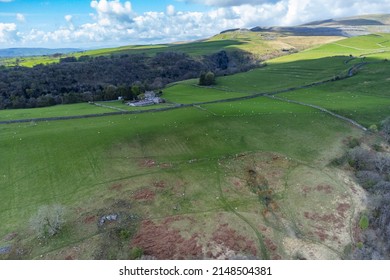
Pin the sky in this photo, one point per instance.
(103, 23)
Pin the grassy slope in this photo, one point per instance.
(363, 97)
(247, 41)
(78, 162)
(370, 45)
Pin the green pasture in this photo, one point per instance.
(68, 161)
(185, 93)
(265, 116)
(277, 76)
(73, 110)
(367, 42)
(364, 97)
(53, 111)
(271, 78)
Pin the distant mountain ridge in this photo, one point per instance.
(20, 52)
(347, 27)
(364, 20)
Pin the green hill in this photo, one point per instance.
(263, 45)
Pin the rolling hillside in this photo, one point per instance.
(263, 46)
(238, 170)
(265, 42)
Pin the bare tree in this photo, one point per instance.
(48, 221)
(360, 158)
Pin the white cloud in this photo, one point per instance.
(68, 18)
(170, 10)
(111, 12)
(303, 11)
(227, 3)
(20, 17)
(115, 22)
(8, 32)
(6, 1)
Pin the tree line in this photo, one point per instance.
(87, 78)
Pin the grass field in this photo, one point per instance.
(80, 160)
(278, 76)
(189, 92)
(54, 111)
(371, 46)
(226, 179)
(363, 97)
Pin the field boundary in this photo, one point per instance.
(321, 109)
(350, 73)
(108, 107)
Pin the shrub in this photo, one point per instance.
(124, 234)
(373, 128)
(363, 223)
(338, 161)
(354, 142)
(377, 148)
(136, 253)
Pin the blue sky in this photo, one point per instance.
(47, 14)
(95, 23)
